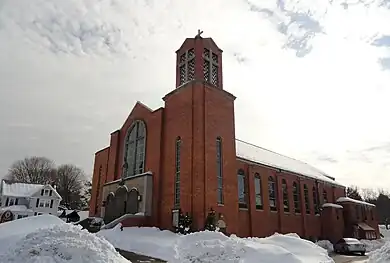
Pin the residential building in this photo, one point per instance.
(184, 157)
(25, 200)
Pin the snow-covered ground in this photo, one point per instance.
(47, 239)
(215, 247)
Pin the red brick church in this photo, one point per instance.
(185, 157)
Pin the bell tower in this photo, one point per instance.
(199, 59)
(199, 154)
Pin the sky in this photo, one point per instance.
(311, 76)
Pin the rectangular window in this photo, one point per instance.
(177, 173)
(258, 195)
(297, 198)
(46, 192)
(242, 195)
(272, 194)
(11, 201)
(286, 203)
(219, 172)
(44, 203)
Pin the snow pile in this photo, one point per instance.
(57, 242)
(381, 255)
(12, 232)
(325, 244)
(215, 247)
(372, 245)
(148, 241)
(385, 232)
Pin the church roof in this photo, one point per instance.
(266, 157)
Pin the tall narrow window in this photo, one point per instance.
(297, 198)
(306, 194)
(219, 172)
(187, 66)
(258, 192)
(177, 172)
(286, 205)
(210, 66)
(272, 194)
(315, 201)
(325, 196)
(242, 195)
(134, 157)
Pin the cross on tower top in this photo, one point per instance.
(199, 34)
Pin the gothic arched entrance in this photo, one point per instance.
(132, 201)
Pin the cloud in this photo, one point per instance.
(307, 75)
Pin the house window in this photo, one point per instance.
(315, 201)
(44, 203)
(134, 155)
(12, 201)
(272, 193)
(297, 198)
(325, 196)
(210, 66)
(219, 171)
(306, 194)
(258, 192)
(177, 172)
(242, 195)
(286, 205)
(187, 66)
(46, 192)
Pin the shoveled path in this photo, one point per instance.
(137, 258)
(349, 258)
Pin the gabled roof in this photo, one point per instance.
(24, 190)
(256, 154)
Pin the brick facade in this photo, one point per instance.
(198, 112)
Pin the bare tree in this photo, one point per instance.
(369, 195)
(70, 183)
(35, 170)
(353, 192)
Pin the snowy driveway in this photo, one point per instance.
(349, 259)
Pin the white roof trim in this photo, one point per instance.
(347, 199)
(332, 205)
(266, 157)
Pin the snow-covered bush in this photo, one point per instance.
(325, 244)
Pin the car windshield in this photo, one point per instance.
(351, 241)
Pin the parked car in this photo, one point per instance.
(349, 245)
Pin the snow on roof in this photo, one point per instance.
(332, 205)
(347, 199)
(20, 189)
(16, 208)
(260, 155)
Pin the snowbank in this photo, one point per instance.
(48, 239)
(215, 247)
(12, 232)
(381, 255)
(372, 245)
(325, 244)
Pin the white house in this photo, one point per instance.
(28, 199)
